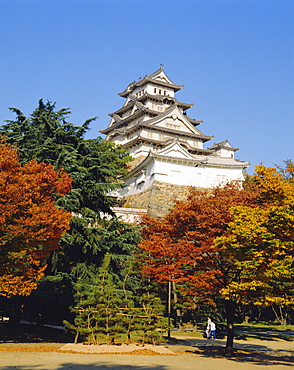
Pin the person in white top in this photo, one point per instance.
(210, 329)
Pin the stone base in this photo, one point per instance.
(158, 199)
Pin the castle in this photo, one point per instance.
(167, 147)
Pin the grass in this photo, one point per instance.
(259, 331)
(23, 333)
(264, 331)
(263, 327)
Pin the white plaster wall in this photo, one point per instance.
(139, 89)
(150, 90)
(135, 188)
(171, 122)
(142, 149)
(227, 153)
(179, 174)
(195, 143)
(206, 177)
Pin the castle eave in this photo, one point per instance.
(163, 143)
(159, 98)
(144, 81)
(167, 130)
(130, 118)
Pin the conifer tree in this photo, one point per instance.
(105, 309)
(97, 304)
(94, 166)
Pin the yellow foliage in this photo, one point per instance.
(261, 243)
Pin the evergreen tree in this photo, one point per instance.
(105, 309)
(94, 165)
(97, 302)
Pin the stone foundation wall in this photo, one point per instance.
(157, 200)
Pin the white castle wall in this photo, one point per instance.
(181, 175)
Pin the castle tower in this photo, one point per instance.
(167, 146)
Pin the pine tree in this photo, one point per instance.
(94, 166)
(105, 309)
(97, 303)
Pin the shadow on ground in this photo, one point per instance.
(264, 357)
(97, 366)
(23, 333)
(251, 353)
(261, 354)
(240, 355)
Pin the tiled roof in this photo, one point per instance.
(157, 97)
(145, 124)
(147, 96)
(124, 121)
(144, 81)
(223, 144)
(165, 142)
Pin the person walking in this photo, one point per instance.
(208, 328)
(212, 330)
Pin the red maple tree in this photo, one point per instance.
(30, 223)
(181, 245)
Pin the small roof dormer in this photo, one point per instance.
(224, 149)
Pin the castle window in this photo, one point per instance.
(159, 91)
(155, 89)
(164, 92)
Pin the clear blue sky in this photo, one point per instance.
(235, 58)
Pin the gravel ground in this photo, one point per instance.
(190, 354)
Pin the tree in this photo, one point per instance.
(97, 303)
(106, 309)
(181, 245)
(31, 225)
(229, 241)
(261, 243)
(94, 166)
(288, 171)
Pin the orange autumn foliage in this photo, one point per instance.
(30, 223)
(237, 242)
(180, 246)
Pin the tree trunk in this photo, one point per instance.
(245, 320)
(178, 311)
(76, 337)
(194, 317)
(15, 312)
(230, 326)
(169, 308)
(281, 316)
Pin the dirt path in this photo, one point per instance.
(193, 354)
